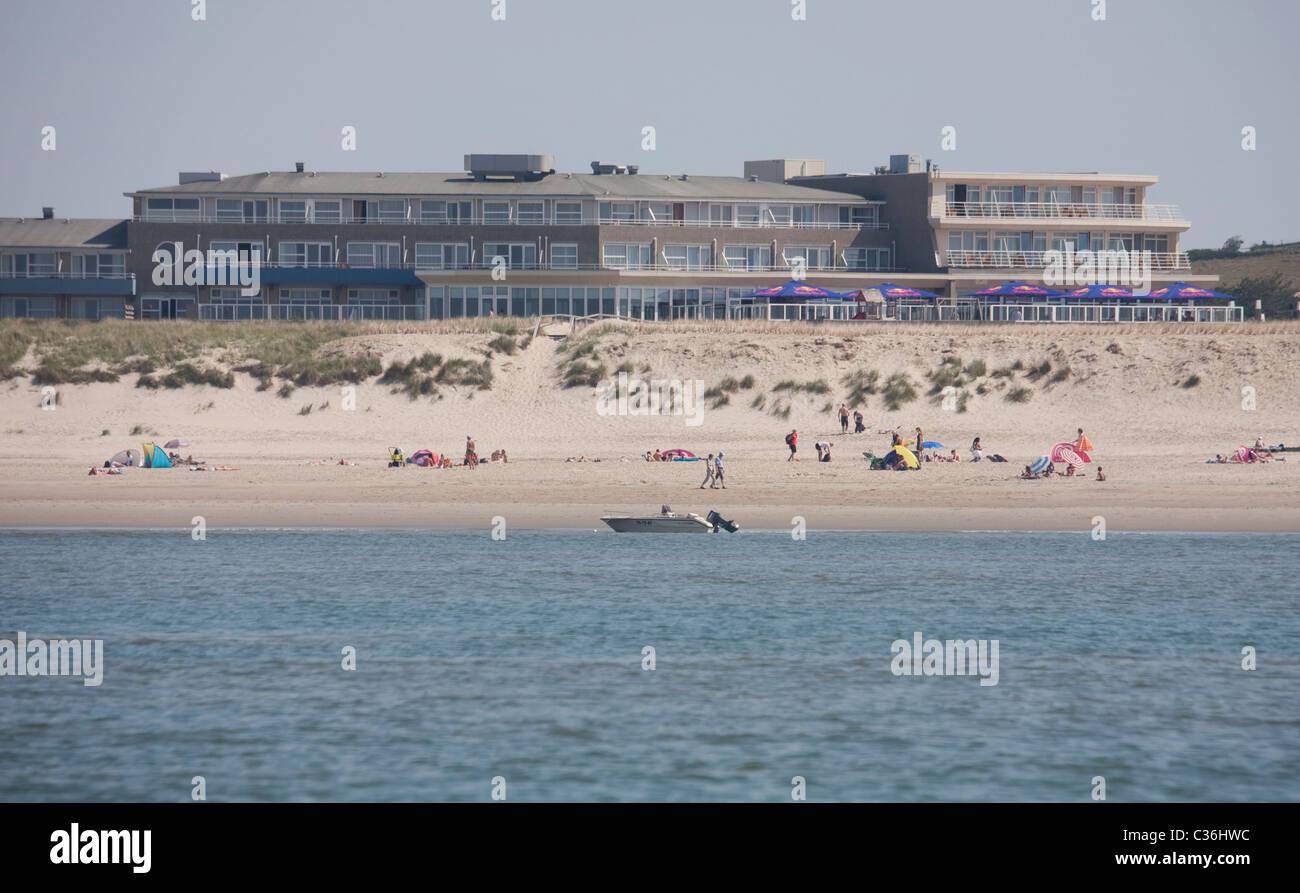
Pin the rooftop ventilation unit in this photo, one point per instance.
(47, 213)
(299, 166)
(608, 167)
(187, 177)
(904, 164)
(516, 167)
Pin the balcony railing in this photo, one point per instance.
(1058, 210)
(552, 220)
(1161, 261)
(331, 312)
(547, 266)
(42, 274)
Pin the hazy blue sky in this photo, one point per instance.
(138, 90)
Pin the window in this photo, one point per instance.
(496, 212)
(391, 210)
(564, 257)
(531, 212)
(659, 212)
(327, 212)
(438, 211)
(627, 257)
(747, 215)
(99, 266)
(747, 257)
(230, 210)
(814, 258)
(858, 216)
(568, 212)
(688, 257)
(968, 241)
(374, 296)
(778, 215)
(293, 211)
(518, 255)
(618, 212)
(866, 258)
(442, 255)
(304, 296)
(306, 254)
(720, 215)
(171, 209)
(229, 303)
(374, 254)
(803, 215)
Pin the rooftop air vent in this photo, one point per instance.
(47, 213)
(684, 177)
(514, 167)
(300, 166)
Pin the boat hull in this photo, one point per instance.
(657, 524)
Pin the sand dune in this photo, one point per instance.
(1125, 387)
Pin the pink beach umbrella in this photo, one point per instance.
(1064, 452)
(176, 442)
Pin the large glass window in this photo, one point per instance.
(518, 255)
(230, 210)
(327, 212)
(171, 209)
(392, 210)
(813, 257)
(496, 212)
(858, 215)
(293, 211)
(618, 212)
(627, 256)
(374, 254)
(564, 257)
(747, 257)
(306, 254)
(688, 257)
(531, 212)
(568, 212)
(442, 255)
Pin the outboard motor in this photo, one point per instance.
(720, 522)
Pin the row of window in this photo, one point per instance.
(1043, 241)
(521, 211)
(1056, 194)
(91, 266)
(78, 308)
(524, 255)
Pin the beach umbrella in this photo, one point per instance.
(890, 290)
(796, 289)
(1182, 291)
(932, 445)
(678, 454)
(176, 442)
(1041, 464)
(1095, 292)
(1064, 452)
(1012, 289)
(907, 456)
(126, 457)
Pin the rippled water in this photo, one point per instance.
(523, 659)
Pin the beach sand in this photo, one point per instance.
(1125, 388)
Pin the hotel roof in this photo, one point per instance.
(615, 186)
(61, 232)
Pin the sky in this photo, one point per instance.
(138, 90)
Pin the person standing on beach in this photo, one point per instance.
(844, 419)
(792, 441)
(471, 456)
(858, 427)
(976, 451)
(708, 471)
(920, 439)
(717, 472)
(1082, 443)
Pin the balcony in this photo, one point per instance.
(552, 220)
(1169, 261)
(405, 274)
(1148, 213)
(39, 282)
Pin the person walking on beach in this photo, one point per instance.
(976, 451)
(792, 441)
(717, 472)
(858, 427)
(708, 471)
(844, 419)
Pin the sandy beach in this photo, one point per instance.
(1127, 387)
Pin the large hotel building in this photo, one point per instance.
(511, 236)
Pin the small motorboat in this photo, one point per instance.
(668, 521)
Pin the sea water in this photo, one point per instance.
(524, 666)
